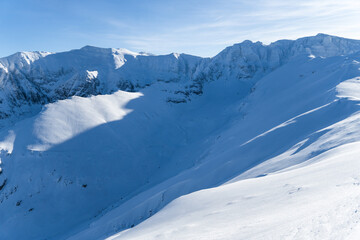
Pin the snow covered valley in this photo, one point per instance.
(258, 142)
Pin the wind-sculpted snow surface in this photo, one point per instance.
(95, 141)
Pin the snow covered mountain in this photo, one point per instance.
(31, 78)
(95, 141)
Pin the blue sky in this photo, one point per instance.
(198, 27)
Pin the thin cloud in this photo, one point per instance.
(267, 21)
(209, 28)
(205, 27)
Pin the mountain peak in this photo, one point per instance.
(323, 35)
(124, 51)
(93, 49)
(22, 59)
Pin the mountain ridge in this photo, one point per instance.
(43, 77)
(105, 148)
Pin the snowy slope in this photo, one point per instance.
(295, 114)
(37, 78)
(28, 79)
(317, 201)
(111, 137)
(309, 191)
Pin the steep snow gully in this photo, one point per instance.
(258, 142)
